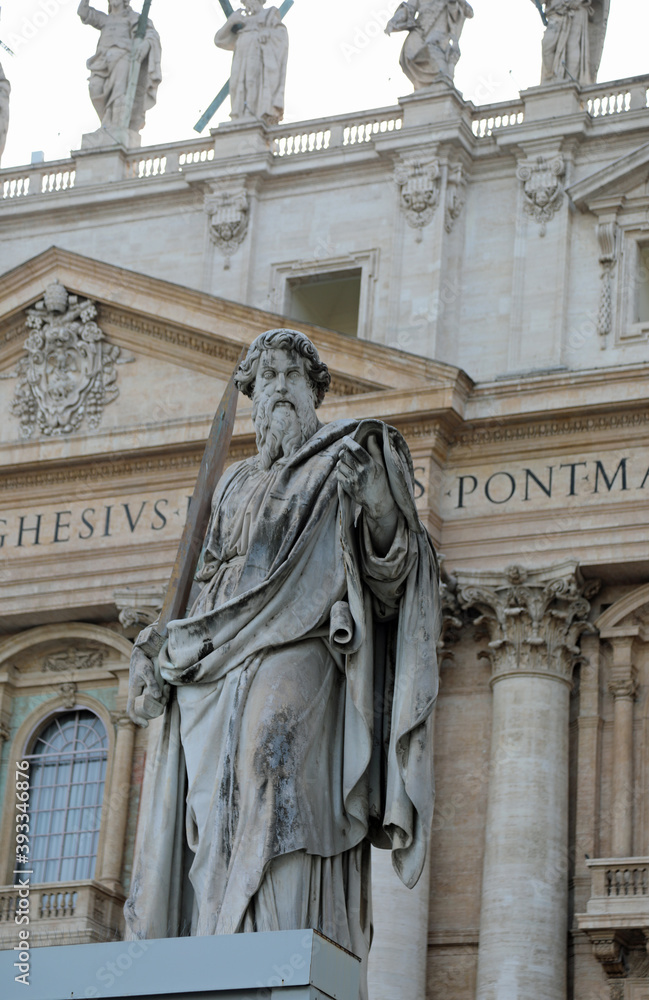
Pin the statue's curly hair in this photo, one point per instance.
(287, 340)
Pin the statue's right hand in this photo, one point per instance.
(146, 697)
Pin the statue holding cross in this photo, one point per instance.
(125, 69)
(260, 44)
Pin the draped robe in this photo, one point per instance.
(303, 684)
(258, 65)
(109, 68)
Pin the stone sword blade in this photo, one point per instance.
(176, 598)
(191, 542)
(198, 516)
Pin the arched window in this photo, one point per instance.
(68, 769)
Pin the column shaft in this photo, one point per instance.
(398, 957)
(116, 805)
(622, 832)
(523, 925)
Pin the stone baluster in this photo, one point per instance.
(116, 802)
(534, 619)
(622, 685)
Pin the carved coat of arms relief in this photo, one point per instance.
(67, 375)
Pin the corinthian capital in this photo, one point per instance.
(534, 617)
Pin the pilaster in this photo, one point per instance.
(622, 686)
(534, 619)
(116, 803)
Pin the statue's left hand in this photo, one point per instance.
(362, 475)
(146, 697)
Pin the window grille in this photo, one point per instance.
(67, 774)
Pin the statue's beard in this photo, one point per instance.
(281, 430)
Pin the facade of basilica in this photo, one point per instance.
(477, 277)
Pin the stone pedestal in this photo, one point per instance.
(300, 965)
(105, 138)
(533, 619)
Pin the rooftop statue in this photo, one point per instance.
(5, 90)
(110, 66)
(299, 690)
(432, 46)
(260, 44)
(574, 39)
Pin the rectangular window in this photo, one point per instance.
(330, 299)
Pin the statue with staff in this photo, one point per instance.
(259, 41)
(124, 71)
(574, 39)
(291, 698)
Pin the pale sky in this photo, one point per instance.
(340, 61)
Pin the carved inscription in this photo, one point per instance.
(536, 484)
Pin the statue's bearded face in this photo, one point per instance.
(283, 405)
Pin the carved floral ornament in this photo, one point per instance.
(68, 372)
(419, 190)
(543, 189)
(455, 195)
(75, 659)
(534, 618)
(607, 237)
(228, 211)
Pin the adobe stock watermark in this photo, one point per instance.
(108, 973)
(364, 34)
(33, 24)
(22, 873)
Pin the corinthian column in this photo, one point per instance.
(534, 619)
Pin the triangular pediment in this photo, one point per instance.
(166, 353)
(619, 177)
(192, 329)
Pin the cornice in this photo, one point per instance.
(549, 428)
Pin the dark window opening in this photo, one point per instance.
(331, 300)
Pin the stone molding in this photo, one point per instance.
(419, 182)
(552, 428)
(193, 341)
(533, 617)
(543, 190)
